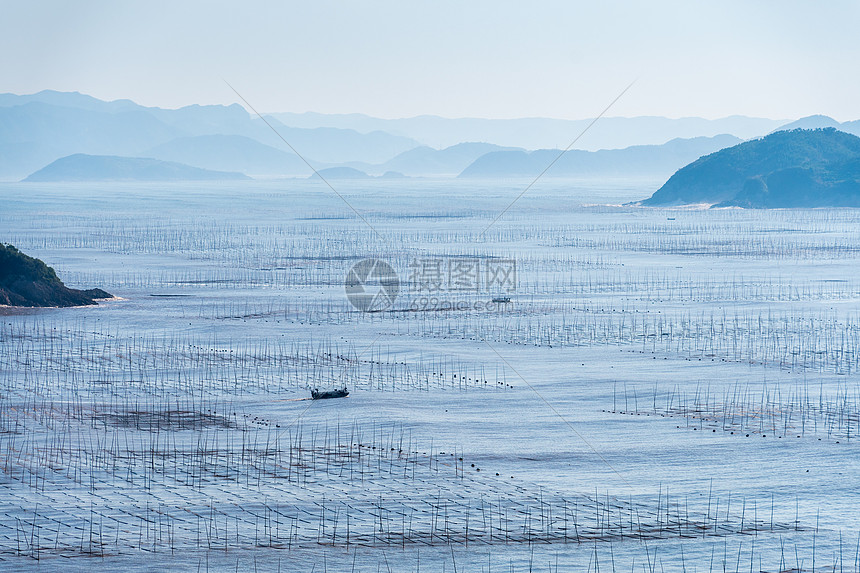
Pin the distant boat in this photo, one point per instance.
(326, 394)
(502, 299)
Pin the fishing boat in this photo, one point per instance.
(316, 394)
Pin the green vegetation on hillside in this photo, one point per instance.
(799, 168)
(27, 281)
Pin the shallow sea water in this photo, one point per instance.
(668, 389)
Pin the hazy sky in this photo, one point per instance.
(566, 59)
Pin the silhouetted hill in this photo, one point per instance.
(40, 133)
(799, 168)
(36, 129)
(75, 100)
(343, 172)
(25, 281)
(851, 127)
(340, 173)
(821, 122)
(335, 145)
(81, 167)
(541, 132)
(811, 122)
(449, 161)
(231, 153)
(651, 160)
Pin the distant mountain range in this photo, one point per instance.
(38, 129)
(798, 168)
(651, 160)
(819, 122)
(81, 167)
(541, 133)
(336, 173)
(425, 161)
(231, 153)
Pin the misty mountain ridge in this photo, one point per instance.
(68, 99)
(38, 133)
(38, 129)
(425, 161)
(542, 133)
(230, 153)
(82, 167)
(651, 160)
(815, 122)
(351, 173)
